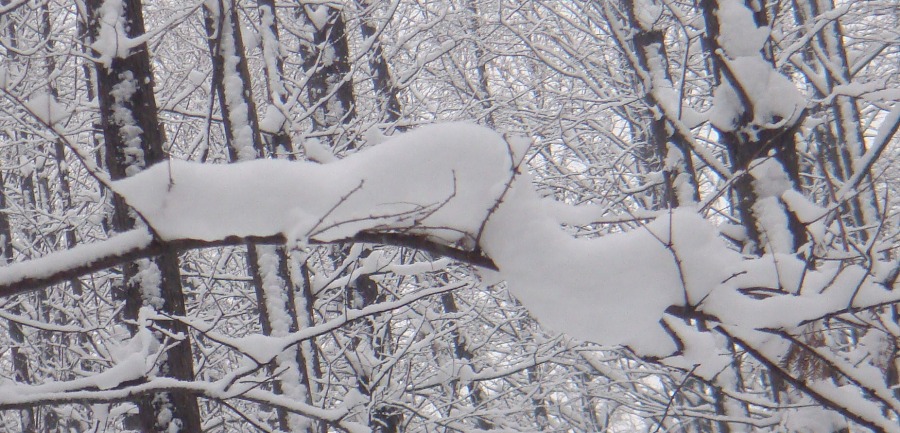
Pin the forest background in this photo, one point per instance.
(765, 131)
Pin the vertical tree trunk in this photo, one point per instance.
(134, 140)
(477, 395)
(327, 63)
(649, 47)
(386, 93)
(268, 266)
(482, 83)
(747, 141)
(844, 141)
(28, 417)
(274, 69)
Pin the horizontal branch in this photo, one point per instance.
(29, 397)
(137, 244)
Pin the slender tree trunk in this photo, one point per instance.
(649, 47)
(477, 395)
(327, 63)
(268, 266)
(274, 68)
(482, 83)
(28, 417)
(386, 93)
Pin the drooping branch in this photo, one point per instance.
(819, 392)
(138, 244)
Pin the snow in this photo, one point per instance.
(648, 13)
(318, 15)
(773, 97)
(374, 136)
(235, 99)
(271, 49)
(261, 348)
(368, 190)
(82, 254)
(149, 279)
(704, 353)
(47, 108)
(611, 290)
(112, 39)
(132, 359)
(813, 419)
(128, 128)
(316, 151)
(739, 35)
(30, 394)
(196, 77)
(664, 92)
(273, 121)
(805, 210)
(444, 181)
(769, 182)
(454, 183)
(775, 100)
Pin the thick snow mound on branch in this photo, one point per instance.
(460, 184)
(614, 289)
(439, 181)
(455, 183)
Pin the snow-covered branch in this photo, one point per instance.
(139, 244)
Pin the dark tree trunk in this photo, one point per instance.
(125, 90)
(330, 88)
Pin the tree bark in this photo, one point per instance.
(133, 139)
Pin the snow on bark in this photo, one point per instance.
(664, 92)
(273, 121)
(235, 99)
(769, 183)
(271, 54)
(19, 273)
(456, 168)
(774, 101)
(133, 358)
(454, 183)
(112, 38)
(149, 280)
(129, 130)
(279, 319)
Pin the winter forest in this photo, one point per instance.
(449, 216)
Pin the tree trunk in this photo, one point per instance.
(268, 266)
(133, 140)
